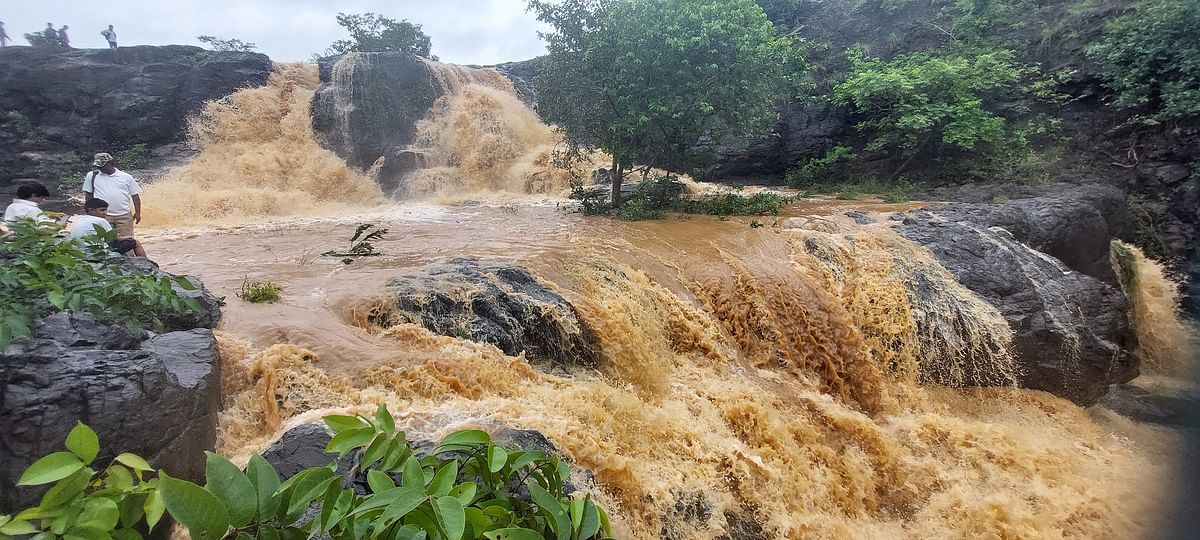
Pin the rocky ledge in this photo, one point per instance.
(156, 395)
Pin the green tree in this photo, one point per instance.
(375, 33)
(1150, 57)
(645, 80)
(918, 102)
(226, 45)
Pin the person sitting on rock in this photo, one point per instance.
(25, 206)
(93, 222)
(63, 40)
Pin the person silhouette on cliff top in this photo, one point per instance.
(110, 35)
(3, 36)
(63, 40)
(51, 35)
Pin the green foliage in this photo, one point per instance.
(361, 244)
(663, 194)
(375, 33)
(260, 292)
(42, 273)
(38, 39)
(918, 99)
(1150, 56)
(645, 80)
(226, 45)
(134, 157)
(814, 171)
(468, 488)
(640, 209)
(592, 201)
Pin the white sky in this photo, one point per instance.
(463, 31)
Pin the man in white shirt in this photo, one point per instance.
(118, 188)
(25, 206)
(93, 222)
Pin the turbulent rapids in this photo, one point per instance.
(814, 378)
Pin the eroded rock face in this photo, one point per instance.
(58, 106)
(1072, 335)
(504, 305)
(158, 398)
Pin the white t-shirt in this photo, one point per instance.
(23, 209)
(85, 225)
(117, 190)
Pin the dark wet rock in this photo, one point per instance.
(1137, 403)
(501, 304)
(805, 129)
(58, 106)
(1071, 332)
(860, 218)
(1072, 223)
(157, 398)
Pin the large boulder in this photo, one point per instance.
(501, 304)
(157, 397)
(368, 106)
(58, 106)
(1072, 334)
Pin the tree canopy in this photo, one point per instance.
(370, 32)
(647, 80)
(226, 45)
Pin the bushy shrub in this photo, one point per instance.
(816, 170)
(42, 273)
(134, 157)
(260, 292)
(467, 488)
(1150, 58)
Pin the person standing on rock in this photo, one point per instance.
(63, 40)
(111, 36)
(3, 36)
(51, 35)
(118, 188)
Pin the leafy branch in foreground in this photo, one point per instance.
(42, 273)
(467, 488)
(360, 245)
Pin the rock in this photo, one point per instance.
(805, 129)
(1072, 223)
(501, 304)
(368, 106)
(859, 217)
(157, 398)
(209, 318)
(1137, 403)
(1072, 335)
(71, 103)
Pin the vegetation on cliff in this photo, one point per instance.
(644, 80)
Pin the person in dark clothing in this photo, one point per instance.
(51, 35)
(63, 40)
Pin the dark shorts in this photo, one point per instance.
(123, 246)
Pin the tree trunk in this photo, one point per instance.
(616, 175)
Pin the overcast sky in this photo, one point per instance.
(463, 31)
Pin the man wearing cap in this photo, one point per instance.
(118, 188)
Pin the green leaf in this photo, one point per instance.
(132, 510)
(516, 533)
(83, 442)
(397, 453)
(100, 513)
(465, 492)
(199, 510)
(384, 420)
(410, 532)
(497, 458)
(451, 516)
(521, 459)
(340, 423)
(57, 298)
(185, 283)
(408, 500)
(228, 483)
(478, 520)
(309, 488)
(18, 528)
(379, 482)
(134, 462)
(444, 479)
(154, 507)
(329, 499)
(51, 468)
(414, 475)
(590, 524)
(386, 498)
(552, 508)
(267, 532)
(374, 451)
(468, 439)
(118, 477)
(126, 534)
(67, 489)
(242, 535)
(265, 481)
(86, 533)
(348, 440)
